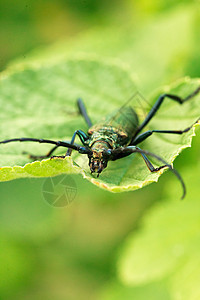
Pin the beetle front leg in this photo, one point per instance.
(35, 157)
(83, 137)
(120, 153)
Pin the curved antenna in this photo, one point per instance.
(132, 149)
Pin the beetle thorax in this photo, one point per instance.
(109, 135)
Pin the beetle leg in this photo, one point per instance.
(158, 103)
(41, 156)
(140, 138)
(83, 137)
(122, 152)
(80, 149)
(149, 164)
(32, 156)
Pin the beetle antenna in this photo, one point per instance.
(176, 173)
(57, 143)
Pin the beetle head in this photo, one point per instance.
(98, 160)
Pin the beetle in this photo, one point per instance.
(115, 137)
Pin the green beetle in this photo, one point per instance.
(114, 137)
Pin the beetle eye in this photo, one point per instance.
(84, 150)
(107, 153)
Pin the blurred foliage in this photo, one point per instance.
(171, 231)
(72, 253)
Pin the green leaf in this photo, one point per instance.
(41, 103)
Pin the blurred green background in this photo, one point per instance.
(73, 252)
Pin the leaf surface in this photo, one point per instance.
(41, 103)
